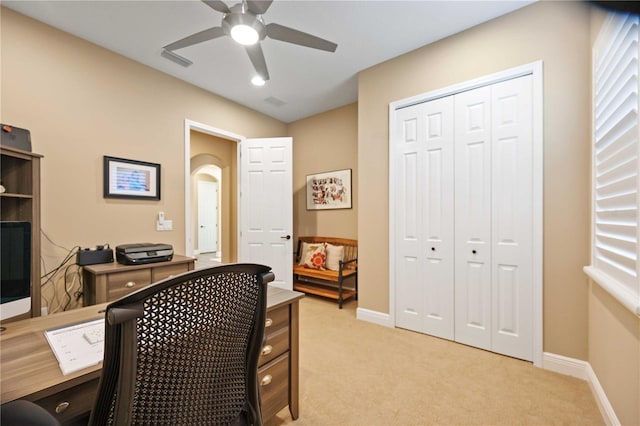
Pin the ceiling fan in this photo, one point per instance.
(244, 23)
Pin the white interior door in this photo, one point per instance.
(266, 203)
(438, 204)
(424, 301)
(207, 216)
(512, 218)
(473, 217)
(410, 295)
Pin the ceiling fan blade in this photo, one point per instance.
(258, 61)
(217, 5)
(259, 6)
(282, 33)
(205, 35)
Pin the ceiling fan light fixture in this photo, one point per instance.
(258, 81)
(244, 34)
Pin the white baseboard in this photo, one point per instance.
(582, 370)
(565, 365)
(374, 317)
(605, 407)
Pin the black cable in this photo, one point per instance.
(49, 275)
(66, 289)
(51, 241)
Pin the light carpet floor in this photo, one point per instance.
(356, 373)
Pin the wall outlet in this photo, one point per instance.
(166, 225)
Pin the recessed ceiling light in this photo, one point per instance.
(244, 34)
(258, 81)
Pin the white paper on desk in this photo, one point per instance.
(72, 350)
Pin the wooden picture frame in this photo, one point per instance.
(131, 179)
(329, 190)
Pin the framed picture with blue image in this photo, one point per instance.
(131, 179)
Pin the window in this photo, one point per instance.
(616, 163)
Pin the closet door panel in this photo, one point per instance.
(409, 274)
(437, 208)
(473, 217)
(512, 221)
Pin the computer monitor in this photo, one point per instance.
(15, 269)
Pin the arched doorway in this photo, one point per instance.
(208, 200)
(212, 195)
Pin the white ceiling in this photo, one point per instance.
(308, 81)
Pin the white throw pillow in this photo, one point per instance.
(334, 255)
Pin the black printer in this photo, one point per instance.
(135, 254)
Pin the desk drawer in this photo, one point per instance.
(122, 283)
(71, 403)
(273, 381)
(276, 319)
(276, 333)
(161, 272)
(276, 344)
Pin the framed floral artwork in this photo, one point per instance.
(329, 190)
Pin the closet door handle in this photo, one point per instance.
(433, 249)
(286, 237)
(473, 251)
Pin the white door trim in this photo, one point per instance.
(535, 70)
(190, 125)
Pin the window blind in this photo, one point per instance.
(616, 157)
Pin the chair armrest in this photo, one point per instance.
(22, 412)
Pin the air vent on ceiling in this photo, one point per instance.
(274, 101)
(174, 57)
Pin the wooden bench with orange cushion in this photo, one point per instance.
(331, 280)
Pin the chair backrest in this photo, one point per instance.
(185, 350)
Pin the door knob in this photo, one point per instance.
(286, 237)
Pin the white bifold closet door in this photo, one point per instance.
(494, 218)
(425, 204)
(464, 243)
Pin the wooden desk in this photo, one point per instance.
(105, 282)
(30, 371)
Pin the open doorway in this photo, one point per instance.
(213, 197)
(208, 199)
(263, 233)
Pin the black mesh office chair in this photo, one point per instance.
(184, 351)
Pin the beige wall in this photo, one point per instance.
(614, 333)
(322, 143)
(556, 33)
(614, 353)
(82, 102)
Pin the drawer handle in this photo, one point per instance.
(268, 322)
(266, 380)
(130, 284)
(267, 350)
(62, 407)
